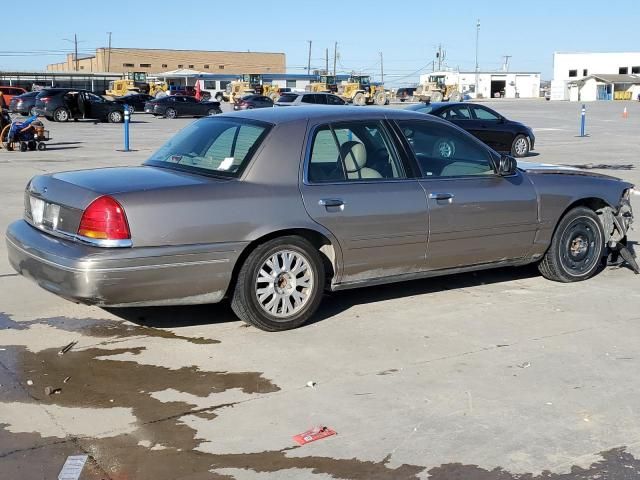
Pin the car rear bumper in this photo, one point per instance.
(118, 277)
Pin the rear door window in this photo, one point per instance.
(308, 98)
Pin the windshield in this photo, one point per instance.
(213, 146)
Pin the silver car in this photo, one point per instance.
(272, 207)
(308, 98)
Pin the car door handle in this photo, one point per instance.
(331, 203)
(441, 196)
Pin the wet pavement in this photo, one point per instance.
(496, 375)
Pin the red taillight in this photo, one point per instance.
(45, 99)
(104, 219)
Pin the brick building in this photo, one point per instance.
(159, 60)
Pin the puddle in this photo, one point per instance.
(616, 464)
(101, 328)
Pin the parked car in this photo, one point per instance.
(294, 99)
(63, 104)
(136, 101)
(497, 131)
(9, 92)
(181, 106)
(24, 104)
(405, 93)
(229, 207)
(248, 102)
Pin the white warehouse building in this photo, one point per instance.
(593, 76)
(490, 84)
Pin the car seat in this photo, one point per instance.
(355, 161)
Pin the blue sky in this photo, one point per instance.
(407, 32)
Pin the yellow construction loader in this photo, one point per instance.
(250, 83)
(326, 84)
(436, 89)
(135, 82)
(359, 91)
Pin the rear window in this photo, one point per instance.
(212, 146)
(287, 98)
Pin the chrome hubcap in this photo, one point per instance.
(445, 150)
(284, 283)
(521, 146)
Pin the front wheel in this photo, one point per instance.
(379, 98)
(280, 284)
(520, 146)
(436, 97)
(61, 115)
(359, 99)
(32, 112)
(213, 111)
(170, 113)
(576, 249)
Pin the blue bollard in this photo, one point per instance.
(583, 120)
(126, 128)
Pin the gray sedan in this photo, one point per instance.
(272, 207)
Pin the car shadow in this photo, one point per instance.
(55, 147)
(532, 154)
(63, 143)
(332, 304)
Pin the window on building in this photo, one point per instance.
(206, 67)
(180, 65)
(128, 65)
(291, 83)
(164, 65)
(635, 69)
(573, 73)
(145, 65)
(220, 67)
(585, 72)
(190, 66)
(623, 70)
(81, 67)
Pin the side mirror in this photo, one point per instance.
(507, 165)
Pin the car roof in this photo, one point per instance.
(325, 113)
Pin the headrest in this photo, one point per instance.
(355, 156)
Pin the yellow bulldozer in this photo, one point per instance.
(251, 83)
(325, 84)
(359, 91)
(436, 89)
(135, 82)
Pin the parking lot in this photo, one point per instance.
(492, 375)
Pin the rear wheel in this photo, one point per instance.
(436, 97)
(213, 111)
(219, 97)
(456, 96)
(520, 146)
(170, 113)
(4, 137)
(576, 249)
(42, 146)
(61, 115)
(280, 284)
(115, 117)
(32, 112)
(380, 98)
(359, 99)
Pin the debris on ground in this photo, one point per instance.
(29, 382)
(316, 433)
(72, 467)
(51, 390)
(66, 379)
(524, 365)
(67, 347)
(311, 384)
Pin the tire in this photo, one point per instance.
(219, 98)
(213, 111)
(32, 145)
(24, 114)
(444, 148)
(577, 247)
(520, 146)
(115, 116)
(23, 146)
(32, 112)
(436, 97)
(42, 146)
(4, 138)
(267, 314)
(358, 99)
(170, 113)
(379, 98)
(61, 114)
(456, 97)
(403, 100)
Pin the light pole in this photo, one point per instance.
(75, 43)
(477, 68)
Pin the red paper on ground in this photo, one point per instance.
(316, 433)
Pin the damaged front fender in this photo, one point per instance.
(616, 224)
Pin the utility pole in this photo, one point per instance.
(75, 41)
(335, 56)
(477, 68)
(505, 65)
(109, 54)
(440, 55)
(326, 61)
(309, 59)
(381, 68)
